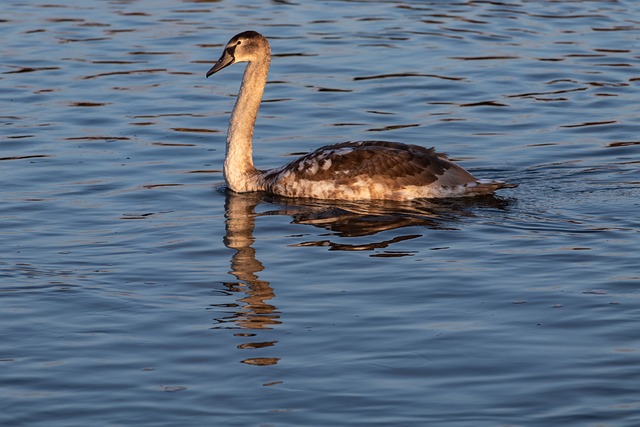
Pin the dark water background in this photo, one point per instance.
(134, 291)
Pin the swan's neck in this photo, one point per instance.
(239, 172)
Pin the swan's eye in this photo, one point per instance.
(239, 43)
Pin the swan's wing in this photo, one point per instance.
(388, 163)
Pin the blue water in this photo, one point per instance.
(135, 291)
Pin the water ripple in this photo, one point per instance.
(135, 287)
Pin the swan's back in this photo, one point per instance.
(374, 170)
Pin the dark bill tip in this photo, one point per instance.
(225, 60)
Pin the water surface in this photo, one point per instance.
(135, 291)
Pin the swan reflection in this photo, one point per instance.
(254, 310)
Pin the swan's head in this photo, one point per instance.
(244, 47)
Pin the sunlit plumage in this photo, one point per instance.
(362, 170)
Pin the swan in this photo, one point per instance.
(362, 170)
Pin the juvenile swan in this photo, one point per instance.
(360, 170)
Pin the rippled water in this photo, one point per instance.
(135, 291)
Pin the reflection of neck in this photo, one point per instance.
(240, 174)
(239, 226)
(240, 214)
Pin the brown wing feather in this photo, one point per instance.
(382, 161)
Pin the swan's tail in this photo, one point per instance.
(485, 186)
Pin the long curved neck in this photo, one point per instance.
(239, 172)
